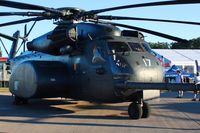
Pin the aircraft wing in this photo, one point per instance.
(158, 86)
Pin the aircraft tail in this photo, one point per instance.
(14, 39)
(13, 49)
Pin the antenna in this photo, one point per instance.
(25, 39)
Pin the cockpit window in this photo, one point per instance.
(147, 47)
(118, 47)
(136, 47)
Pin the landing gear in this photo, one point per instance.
(146, 110)
(20, 101)
(137, 110)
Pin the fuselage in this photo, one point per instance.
(89, 73)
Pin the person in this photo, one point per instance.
(197, 82)
(179, 79)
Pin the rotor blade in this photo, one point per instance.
(25, 29)
(42, 14)
(8, 37)
(25, 37)
(152, 32)
(146, 31)
(144, 19)
(4, 46)
(23, 21)
(26, 6)
(31, 29)
(172, 2)
(19, 47)
(10, 13)
(21, 13)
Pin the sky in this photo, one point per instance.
(174, 12)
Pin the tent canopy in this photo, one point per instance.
(172, 72)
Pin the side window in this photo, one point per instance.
(146, 47)
(98, 56)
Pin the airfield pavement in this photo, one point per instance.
(169, 115)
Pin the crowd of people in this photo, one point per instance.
(197, 82)
(181, 79)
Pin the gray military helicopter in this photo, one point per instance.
(86, 57)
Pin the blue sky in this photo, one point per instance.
(178, 12)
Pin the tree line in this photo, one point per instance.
(192, 44)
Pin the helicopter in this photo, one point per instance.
(87, 57)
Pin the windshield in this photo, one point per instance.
(118, 47)
(136, 47)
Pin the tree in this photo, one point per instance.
(192, 44)
(159, 45)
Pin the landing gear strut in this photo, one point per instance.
(137, 110)
(146, 110)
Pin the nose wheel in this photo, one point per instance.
(137, 110)
(20, 101)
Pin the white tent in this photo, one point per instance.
(184, 58)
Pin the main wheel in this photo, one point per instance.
(135, 110)
(146, 110)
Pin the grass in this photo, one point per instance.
(4, 89)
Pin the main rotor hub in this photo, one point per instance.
(71, 13)
(73, 10)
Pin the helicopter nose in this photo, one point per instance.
(141, 67)
(146, 68)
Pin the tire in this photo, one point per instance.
(135, 111)
(146, 110)
(20, 101)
